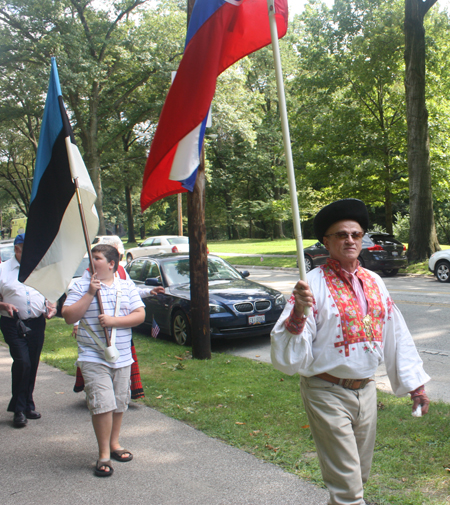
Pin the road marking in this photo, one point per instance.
(437, 304)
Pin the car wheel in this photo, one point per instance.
(129, 258)
(390, 272)
(308, 263)
(442, 271)
(181, 330)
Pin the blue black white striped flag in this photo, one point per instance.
(54, 240)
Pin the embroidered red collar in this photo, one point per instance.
(349, 317)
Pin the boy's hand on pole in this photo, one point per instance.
(94, 285)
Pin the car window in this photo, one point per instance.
(157, 241)
(178, 240)
(384, 240)
(147, 242)
(136, 269)
(366, 241)
(177, 271)
(153, 270)
(82, 267)
(219, 270)
(145, 271)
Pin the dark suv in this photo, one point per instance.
(380, 251)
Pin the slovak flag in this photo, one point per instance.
(220, 33)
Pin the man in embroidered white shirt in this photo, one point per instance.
(24, 311)
(352, 327)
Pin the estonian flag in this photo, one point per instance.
(220, 33)
(54, 240)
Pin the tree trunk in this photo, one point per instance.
(92, 156)
(277, 231)
(131, 235)
(388, 195)
(93, 166)
(198, 259)
(198, 265)
(422, 236)
(229, 207)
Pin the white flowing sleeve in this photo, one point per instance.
(403, 363)
(290, 352)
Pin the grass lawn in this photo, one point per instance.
(281, 246)
(252, 406)
(278, 247)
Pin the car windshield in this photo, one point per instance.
(178, 240)
(82, 267)
(177, 271)
(219, 270)
(384, 239)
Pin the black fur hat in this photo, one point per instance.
(348, 208)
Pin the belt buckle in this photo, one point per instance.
(348, 383)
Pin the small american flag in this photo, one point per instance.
(155, 329)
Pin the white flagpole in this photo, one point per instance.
(287, 143)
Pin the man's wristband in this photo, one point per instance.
(295, 324)
(417, 392)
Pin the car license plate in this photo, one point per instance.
(394, 253)
(256, 319)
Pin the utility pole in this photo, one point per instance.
(198, 258)
(180, 214)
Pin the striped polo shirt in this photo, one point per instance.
(88, 349)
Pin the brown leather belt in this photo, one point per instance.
(345, 383)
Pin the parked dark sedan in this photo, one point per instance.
(237, 307)
(380, 251)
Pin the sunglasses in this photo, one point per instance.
(343, 235)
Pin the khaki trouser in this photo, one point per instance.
(343, 425)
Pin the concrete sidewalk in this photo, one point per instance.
(50, 461)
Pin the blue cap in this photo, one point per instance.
(20, 239)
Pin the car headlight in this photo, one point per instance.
(216, 309)
(280, 300)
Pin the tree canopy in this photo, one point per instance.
(344, 70)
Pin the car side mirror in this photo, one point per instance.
(153, 281)
(245, 273)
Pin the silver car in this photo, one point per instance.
(439, 265)
(163, 244)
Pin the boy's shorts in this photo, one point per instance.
(107, 389)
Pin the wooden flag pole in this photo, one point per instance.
(88, 248)
(287, 143)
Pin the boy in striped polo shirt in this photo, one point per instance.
(107, 384)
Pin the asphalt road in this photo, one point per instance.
(424, 303)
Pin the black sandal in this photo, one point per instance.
(118, 455)
(103, 473)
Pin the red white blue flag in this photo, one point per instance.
(155, 329)
(220, 33)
